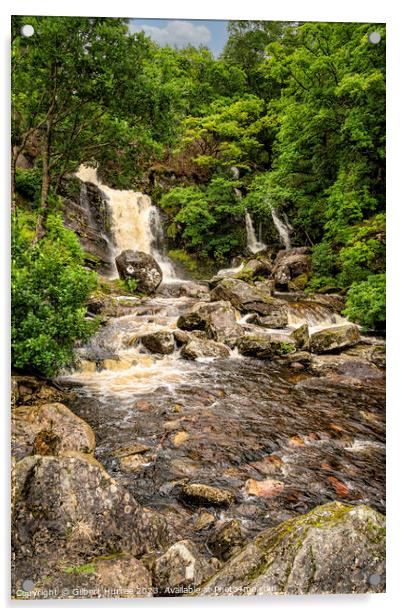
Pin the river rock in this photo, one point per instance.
(249, 298)
(334, 548)
(268, 488)
(210, 496)
(256, 346)
(49, 429)
(120, 576)
(218, 319)
(33, 390)
(227, 540)
(69, 506)
(180, 569)
(334, 338)
(291, 263)
(255, 268)
(140, 266)
(198, 348)
(159, 342)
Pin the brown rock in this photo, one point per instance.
(268, 488)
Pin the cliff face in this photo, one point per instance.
(86, 212)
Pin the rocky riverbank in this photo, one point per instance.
(215, 438)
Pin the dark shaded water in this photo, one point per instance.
(229, 421)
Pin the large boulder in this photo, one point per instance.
(255, 268)
(181, 569)
(217, 319)
(268, 345)
(198, 348)
(334, 548)
(140, 266)
(159, 342)
(69, 506)
(249, 298)
(334, 338)
(290, 264)
(48, 429)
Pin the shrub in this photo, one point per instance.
(365, 302)
(49, 290)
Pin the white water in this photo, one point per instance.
(252, 243)
(135, 222)
(282, 228)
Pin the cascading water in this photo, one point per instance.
(252, 243)
(282, 228)
(135, 222)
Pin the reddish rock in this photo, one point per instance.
(269, 488)
(341, 489)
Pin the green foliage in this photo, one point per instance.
(206, 218)
(130, 284)
(365, 303)
(49, 289)
(28, 184)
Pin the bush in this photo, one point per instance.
(28, 183)
(49, 290)
(365, 303)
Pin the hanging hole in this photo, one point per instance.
(374, 38)
(27, 30)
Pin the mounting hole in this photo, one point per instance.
(374, 38)
(27, 30)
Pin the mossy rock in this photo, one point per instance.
(335, 548)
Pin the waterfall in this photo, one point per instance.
(135, 222)
(252, 244)
(282, 228)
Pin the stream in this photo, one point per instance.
(224, 422)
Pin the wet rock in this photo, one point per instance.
(69, 505)
(101, 578)
(181, 337)
(181, 569)
(378, 356)
(201, 494)
(301, 337)
(250, 298)
(204, 348)
(134, 264)
(159, 342)
(179, 438)
(255, 346)
(267, 345)
(300, 357)
(268, 488)
(268, 464)
(133, 463)
(333, 549)
(34, 390)
(291, 263)
(253, 269)
(203, 521)
(49, 429)
(334, 338)
(130, 450)
(227, 540)
(218, 319)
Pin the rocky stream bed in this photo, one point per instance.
(213, 438)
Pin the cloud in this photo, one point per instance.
(177, 33)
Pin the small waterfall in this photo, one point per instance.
(136, 223)
(252, 243)
(282, 228)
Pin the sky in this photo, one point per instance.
(182, 32)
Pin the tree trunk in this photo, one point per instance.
(44, 205)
